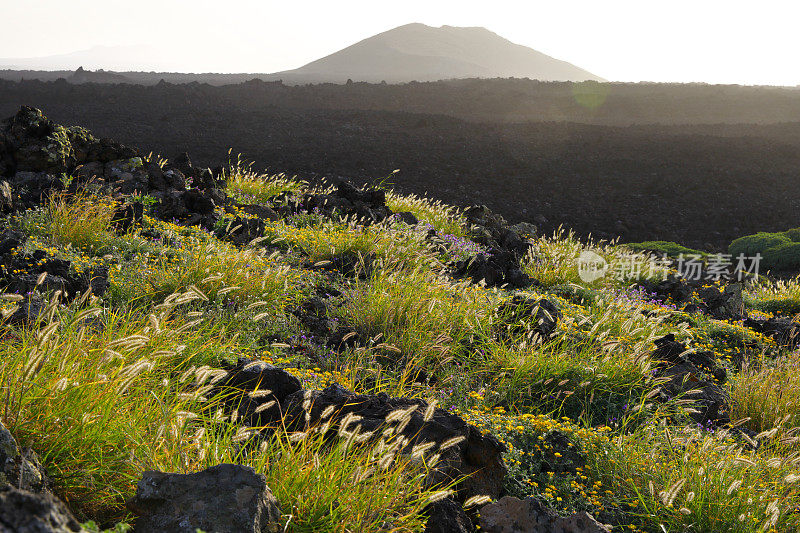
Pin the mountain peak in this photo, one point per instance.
(418, 52)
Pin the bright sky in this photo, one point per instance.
(716, 41)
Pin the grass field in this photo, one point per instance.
(105, 388)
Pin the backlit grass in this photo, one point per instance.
(107, 388)
(82, 222)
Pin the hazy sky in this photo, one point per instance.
(716, 41)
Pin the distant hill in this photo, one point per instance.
(414, 52)
(140, 57)
(423, 53)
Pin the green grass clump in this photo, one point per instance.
(424, 319)
(779, 251)
(82, 222)
(672, 249)
(249, 187)
(752, 244)
(768, 397)
(93, 392)
(219, 270)
(554, 261)
(444, 218)
(778, 297)
(571, 381)
(307, 474)
(679, 478)
(395, 245)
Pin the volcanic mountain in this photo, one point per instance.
(424, 53)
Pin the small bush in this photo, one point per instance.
(779, 251)
(536, 467)
(752, 244)
(783, 257)
(794, 234)
(672, 249)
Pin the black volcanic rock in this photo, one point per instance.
(251, 384)
(33, 143)
(30, 275)
(655, 180)
(784, 330)
(534, 515)
(472, 454)
(686, 372)
(27, 512)
(447, 516)
(506, 245)
(225, 498)
(537, 316)
(264, 395)
(19, 467)
(37, 153)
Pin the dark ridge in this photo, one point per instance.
(700, 185)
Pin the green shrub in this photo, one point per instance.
(779, 251)
(672, 249)
(785, 256)
(752, 244)
(794, 234)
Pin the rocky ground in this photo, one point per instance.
(449, 341)
(699, 185)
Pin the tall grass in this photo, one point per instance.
(250, 187)
(554, 261)
(82, 221)
(444, 218)
(102, 397)
(91, 393)
(674, 479)
(769, 396)
(423, 317)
